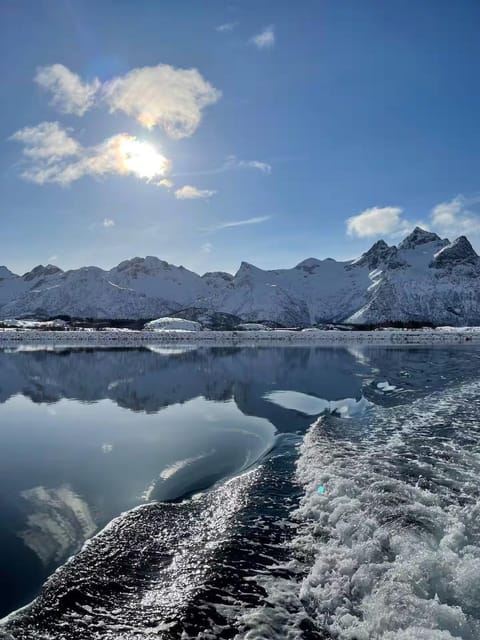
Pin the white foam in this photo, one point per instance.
(380, 556)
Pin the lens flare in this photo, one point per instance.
(147, 120)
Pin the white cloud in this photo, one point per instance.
(47, 141)
(52, 259)
(241, 223)
(156, 96)
(227, 26)
(69, 93)
(454, 217)
(207, 247)
(375, 221)
(448, 219)
(192, 193)
(58, 158)
(108, 222)
(233, 163)
(264, 167)
(162, 96)
(445, 213)
(265, 39)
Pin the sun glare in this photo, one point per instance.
(142, 159)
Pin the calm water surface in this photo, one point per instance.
(233, 538)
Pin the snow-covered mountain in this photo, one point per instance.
(424, 278)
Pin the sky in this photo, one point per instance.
(211, 132)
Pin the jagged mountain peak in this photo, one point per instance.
(418, 237)
(459, 251)
(41, 271)
(378, 248)
(379, 254)
(379, 245)
(246, 268)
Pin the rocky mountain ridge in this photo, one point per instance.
(423, 279)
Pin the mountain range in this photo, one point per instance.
(423, 279)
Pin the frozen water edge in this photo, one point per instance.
(441, 335)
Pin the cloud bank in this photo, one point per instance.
(448, 219)
(158, 96)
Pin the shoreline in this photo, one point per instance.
(31, 337)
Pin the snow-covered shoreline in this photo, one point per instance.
(122, 338)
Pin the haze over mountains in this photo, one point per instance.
(423, 279)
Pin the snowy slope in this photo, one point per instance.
(86, 293)
(158, 279)
(434, 281)
(313, 291)
(13, 287)
(424, 279)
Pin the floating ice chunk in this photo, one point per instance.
(350, 407)
(297, 401)
(386, 386)
(312, 406)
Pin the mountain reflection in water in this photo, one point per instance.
(86, 434)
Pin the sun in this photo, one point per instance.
(142, 159)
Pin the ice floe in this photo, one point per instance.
(313, 406)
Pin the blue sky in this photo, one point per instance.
(320, 126)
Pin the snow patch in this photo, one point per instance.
(173, 324)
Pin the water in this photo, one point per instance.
(214, 458)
